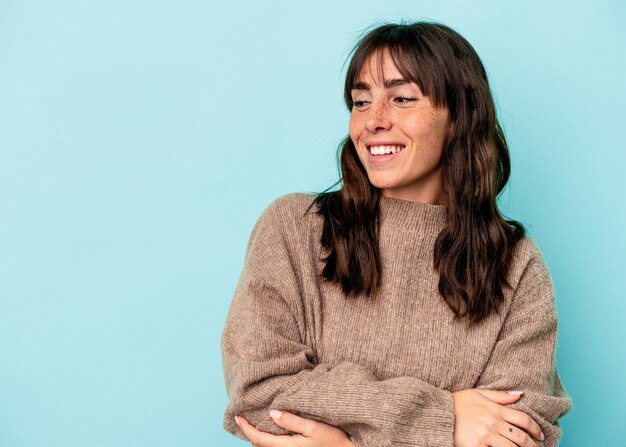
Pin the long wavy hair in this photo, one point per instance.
(473, 250)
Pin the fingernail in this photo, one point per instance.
(542, 437)
(276, 414)
(237, 420)
(517, 393)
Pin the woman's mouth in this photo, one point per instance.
(383, 150)
(383, 153)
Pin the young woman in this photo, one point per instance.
(402, 309)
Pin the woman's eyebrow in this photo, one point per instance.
(389, 83)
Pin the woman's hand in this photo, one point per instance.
(309, 433)
(481, 419)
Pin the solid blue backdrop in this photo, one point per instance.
(140, 141)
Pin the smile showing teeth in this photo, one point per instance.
(381, 150)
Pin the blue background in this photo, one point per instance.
(140, 141)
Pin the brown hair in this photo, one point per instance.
(472, 252)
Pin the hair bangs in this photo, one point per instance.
(409, 53)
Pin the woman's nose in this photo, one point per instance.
(378, 117)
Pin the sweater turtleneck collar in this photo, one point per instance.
(411, 216)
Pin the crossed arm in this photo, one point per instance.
(268, 365)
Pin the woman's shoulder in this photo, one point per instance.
(531, 278)
(527, 253)
(287, 216)
(289, 208)
(526, 250)
(292, 202)
(280, 231)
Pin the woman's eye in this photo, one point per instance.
(404, 99)
(359, 104)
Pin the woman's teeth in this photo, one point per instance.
(381, 150)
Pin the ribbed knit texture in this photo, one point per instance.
(381, 368)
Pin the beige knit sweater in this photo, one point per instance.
(381, 369)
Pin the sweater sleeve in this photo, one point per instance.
(523, 358)
(269, 364)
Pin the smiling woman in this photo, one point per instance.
(404, 310)
(398, 133)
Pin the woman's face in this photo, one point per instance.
(399, 136)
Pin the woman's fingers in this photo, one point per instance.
(501, 397)
(291, 422)
(522, 420)
(515, 417)
(496, 440)
(516, 435)
(481, 416)
(261, 438)
(307, 432)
